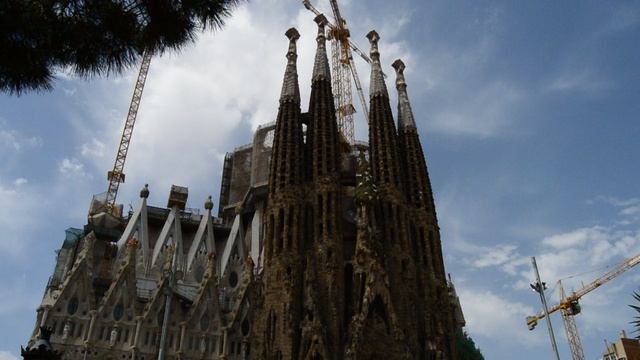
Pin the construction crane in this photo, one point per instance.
(343, 70)
(569, 306)
(116, 174)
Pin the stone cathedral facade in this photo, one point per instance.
(321, 249)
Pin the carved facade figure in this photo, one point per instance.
(321, 249)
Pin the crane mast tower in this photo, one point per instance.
(116, 174)
(343, 69)
(569, 306)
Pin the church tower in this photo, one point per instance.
(325, 257)
(277, 323)
(435, 326)
(323, 249)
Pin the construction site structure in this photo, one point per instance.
(321, 249)
(624, 348)
(569, 306)
(570, 327)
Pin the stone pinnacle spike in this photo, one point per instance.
(377, 85)
(399, 66)
(405, 114)
(321, 63)
(373, 39)
(290, 89)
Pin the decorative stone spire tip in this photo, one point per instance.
(144, 193)
(290, 88)
(321, 63)
(208, 205)
(292, 34)
(405, 114)
(377, 85)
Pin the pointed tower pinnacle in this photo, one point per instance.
(385, 164)
(321, 64)
(405, 114)
(377, 85)
(288, 146)
(290, 89)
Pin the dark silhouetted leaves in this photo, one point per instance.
(94, 37)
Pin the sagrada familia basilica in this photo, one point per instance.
(321, 249)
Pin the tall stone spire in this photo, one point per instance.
(288, 148)
(405, 114)
(278, 336)
(322, 129)
(326, 257)
(377, 85)
(417, 185)
(290, 88)
(425, 234)
(382, 132)
(321, 63)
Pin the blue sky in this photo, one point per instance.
(528, 112)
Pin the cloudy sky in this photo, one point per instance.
(528, 112)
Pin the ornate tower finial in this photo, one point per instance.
(290, 89)
(377, 85)
(321, 64)
(144, 193)
(405, 114)
(209, 203)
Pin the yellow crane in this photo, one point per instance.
(116, 174)
(343, 70)
(569, 306)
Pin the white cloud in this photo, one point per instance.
(495, 256)
(95, 148)
(71, 167)
(16, 141)
(17, 203)
(6, 355)
(571, 80)
(20, 181)
(489, 315)
(483, 113)
(208, 99)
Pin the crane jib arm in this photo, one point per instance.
(566, 304)
(116, 175)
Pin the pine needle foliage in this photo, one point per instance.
(94, 37)
(636, 319)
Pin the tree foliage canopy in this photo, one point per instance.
(94, 37)
(636, 319)
(466, 348)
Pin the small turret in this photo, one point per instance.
(208, 205)
(144, 193)
(41, 349)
